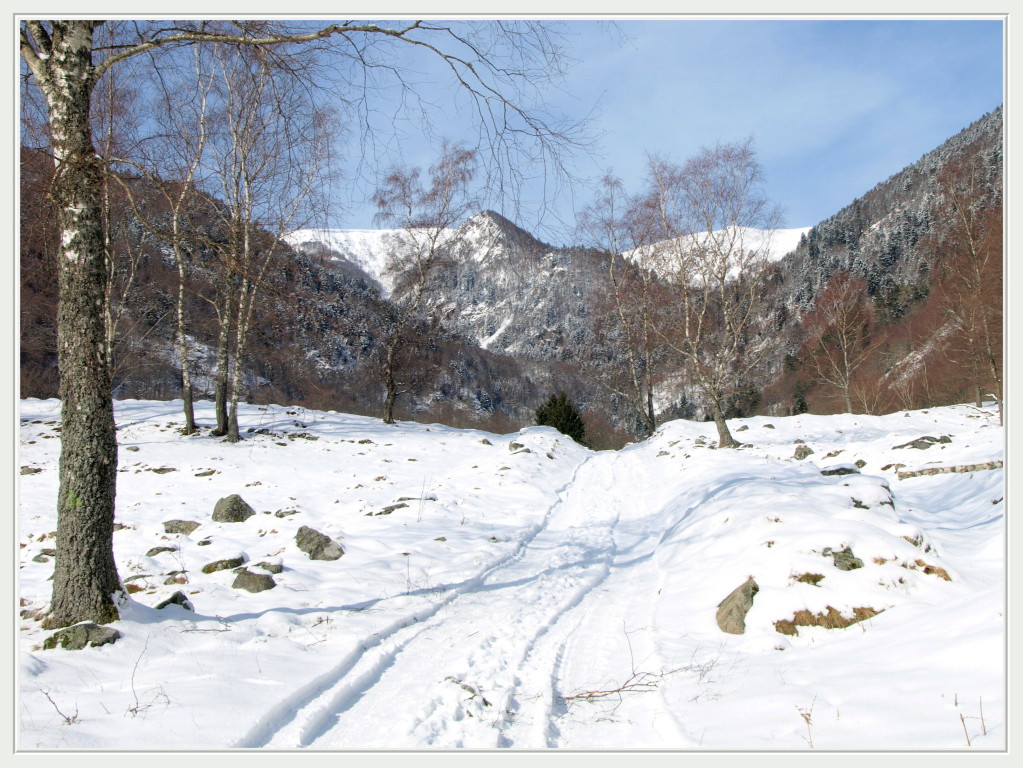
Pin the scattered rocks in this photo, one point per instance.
(161, 470)
(179, 526)
(731, 615)
(518, 448)
(31, 470)
(178, 598)
(768, 426)
(484, 441)
(802, 451)
(253, 582)
(317, 545)
(232, 509)
(206, 473)
(223, 565)
(270, 567)
(80, 635)
(132, 448)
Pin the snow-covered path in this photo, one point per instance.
(492, 673)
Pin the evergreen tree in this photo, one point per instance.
(559, 412)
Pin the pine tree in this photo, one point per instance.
(559, 412)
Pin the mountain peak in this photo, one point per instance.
(490, 223)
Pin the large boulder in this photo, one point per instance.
(253, 582)
(80, 635)
(232, 509)
(317, 545)
(731, 616)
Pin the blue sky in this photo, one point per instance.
(834, 107)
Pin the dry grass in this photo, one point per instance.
(810, 578)
(833, 619)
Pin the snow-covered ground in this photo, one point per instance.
(522, 591)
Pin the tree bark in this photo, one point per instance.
(223, 344)
(390, 385)
(725, 439)
(85, 578)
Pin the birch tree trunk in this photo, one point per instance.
(85, 578)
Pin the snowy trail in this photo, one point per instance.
(493, 649)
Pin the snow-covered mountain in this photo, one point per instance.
(367, 249)
(773, 244)
(520, 591)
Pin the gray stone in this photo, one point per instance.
(159, 550)
(317, 545)
(270, 567)
(925, 442)
(841, 469)
(178, 598)
(77, 637)
(802, 451)
(232, 509)
(179, 526)
(253, 582)
(731, 615)
(223, 565)
(844, 560)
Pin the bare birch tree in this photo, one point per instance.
(613, 225)
(842, 335)
(713, 226)
(425, 217)
(64, 61)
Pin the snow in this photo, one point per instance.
(369, 249)
(530, 593)
(780, 243)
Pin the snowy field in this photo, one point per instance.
(520, 591)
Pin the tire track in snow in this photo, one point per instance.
(306, 709)
(410, 688)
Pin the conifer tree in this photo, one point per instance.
(560, 412)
